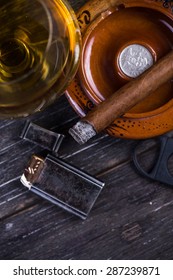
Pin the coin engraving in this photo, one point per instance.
(134, 60)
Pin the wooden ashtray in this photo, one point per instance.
(119, 39)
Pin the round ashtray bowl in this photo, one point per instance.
(119, 43)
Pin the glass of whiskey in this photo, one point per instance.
(39, 54)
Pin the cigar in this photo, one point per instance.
(123, 100)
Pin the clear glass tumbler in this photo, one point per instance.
(39, 54)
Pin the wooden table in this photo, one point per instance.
(132, 218)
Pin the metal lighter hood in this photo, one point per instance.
(45, 138)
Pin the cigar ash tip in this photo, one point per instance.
(82, 132)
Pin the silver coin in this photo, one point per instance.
(134, 60)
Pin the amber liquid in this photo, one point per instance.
(36, 47)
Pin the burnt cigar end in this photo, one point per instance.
(82, 132)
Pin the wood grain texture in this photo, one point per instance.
(132, 218)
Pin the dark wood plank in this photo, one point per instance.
(126, 222)
(126, 193)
